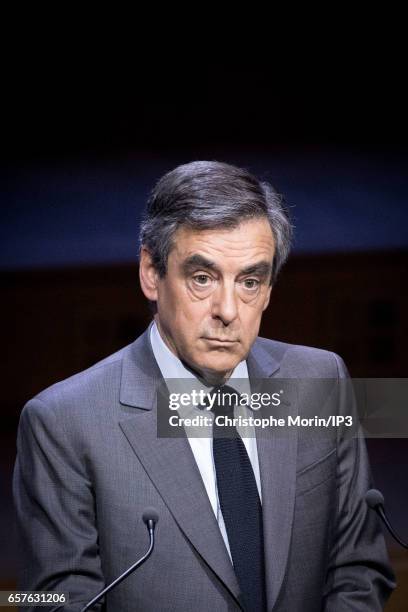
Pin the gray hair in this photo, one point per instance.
(210, 195)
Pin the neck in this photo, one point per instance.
(208, 377)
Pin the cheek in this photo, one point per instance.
(185, 320)
(252, 311)
(250, 322)
(192, 309)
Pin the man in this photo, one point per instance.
(256, 523)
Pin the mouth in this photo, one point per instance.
(220, 340)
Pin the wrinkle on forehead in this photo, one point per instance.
(247, 240)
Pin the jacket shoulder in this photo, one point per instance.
(102, 378)
(309, 360)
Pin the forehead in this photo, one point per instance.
(249, 240)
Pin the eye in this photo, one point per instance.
(201, 279)
(251, 283)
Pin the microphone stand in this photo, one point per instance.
(381, 512)
(375, 501)
(150, 522)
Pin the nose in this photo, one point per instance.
(224, 303)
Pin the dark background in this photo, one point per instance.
(83, 141)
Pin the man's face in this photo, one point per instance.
(210, 303)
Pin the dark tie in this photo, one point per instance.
(241, 507)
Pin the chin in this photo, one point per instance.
(220, 364)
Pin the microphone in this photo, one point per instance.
(150, 518)
(375, 501)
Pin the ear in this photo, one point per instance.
(148, 275)
(267, 298)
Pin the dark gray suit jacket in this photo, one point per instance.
(89, 462)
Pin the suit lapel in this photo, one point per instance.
(170, 463)
(277, 455)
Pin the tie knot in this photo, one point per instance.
(225, 399)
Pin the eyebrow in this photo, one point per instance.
(262, 268)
